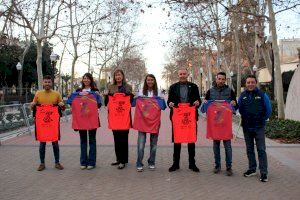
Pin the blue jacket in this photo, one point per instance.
(74, 94)
(255, 108)
(205, 106)
(161, 102)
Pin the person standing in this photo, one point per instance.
(255, 108)
(120, 136)
(88, 160)
(150, 89)
(183, 92)
(48, 96)
(220, 91)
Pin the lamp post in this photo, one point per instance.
(298, 49)
(201, 72)
(19, 68)
(269, 40)
(231, 75)
(206, 82)
(54, 58)
(254, 69)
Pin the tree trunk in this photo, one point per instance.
(73, 72)
(278, 77)
(60, 81)
(39, 59)
(238, 55)
(266, 55)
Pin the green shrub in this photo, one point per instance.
(284, 129)
(274, 114)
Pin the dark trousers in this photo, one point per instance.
(177, 150)
(42, 151)
(88, 160)
(121, 145)
(257, 135)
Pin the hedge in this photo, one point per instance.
(283, 129)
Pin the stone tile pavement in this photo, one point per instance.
(20, 180)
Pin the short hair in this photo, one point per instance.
(251, 76)
(47, 77)
(183, 68)
(222, 74)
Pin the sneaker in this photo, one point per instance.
(229, 172)
(152, 167)
(59, 166)
(90, 167)
(173, 168)
(139, 169)
(263, 178)
(121, 166)
(194, 168)
(217, 170)
(41, 167)
(250, 173)
(82, 167)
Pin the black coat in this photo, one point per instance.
(174, 96)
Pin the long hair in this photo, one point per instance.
(114, 78)
(145, 87)
(93, 84)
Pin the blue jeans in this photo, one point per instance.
(228, 153)
(257, 135)
(141, 146)
(42, 151)
(88, 160)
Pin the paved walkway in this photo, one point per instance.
(20, 180)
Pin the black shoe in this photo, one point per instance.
(121, 166)
(115, 163)
(217, 170)
(263, 178)
(250, 173)
(194, 168)
(229, 172)
(173, 168)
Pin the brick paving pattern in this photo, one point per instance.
(20, 180)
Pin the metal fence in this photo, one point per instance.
(17, 119)
(16, 95)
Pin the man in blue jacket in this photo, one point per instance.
(255, 109)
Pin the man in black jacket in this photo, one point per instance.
(183, 92)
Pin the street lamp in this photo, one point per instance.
(201, 72)
(54, 58)
(19, 68)
(269, 40)
(231, 75)
(298, 49)
(206, 84)
(254, 69)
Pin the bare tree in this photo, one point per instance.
(47, 14)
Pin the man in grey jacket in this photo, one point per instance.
(220, 91)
